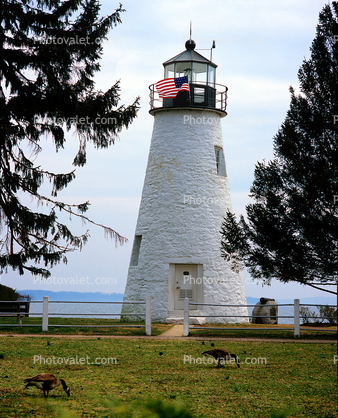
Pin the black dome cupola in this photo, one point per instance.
(190, 44)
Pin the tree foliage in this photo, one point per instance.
(326, 313)
(291, 231)
(8, 294)
(50, 52)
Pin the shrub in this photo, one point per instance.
(307, 315)
(328, 313)
(7, 293)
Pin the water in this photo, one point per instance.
(91, 310)
(82, 310)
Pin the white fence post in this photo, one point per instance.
(296, 318)
(148, 315)
(45, 313)
(186, 318)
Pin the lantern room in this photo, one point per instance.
(201, 73)
(192, 64)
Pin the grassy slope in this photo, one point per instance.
(302, 376)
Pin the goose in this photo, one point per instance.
(46, 382)
(220, 354)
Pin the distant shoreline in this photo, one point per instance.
(37, 294)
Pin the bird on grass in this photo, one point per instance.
(46, 382)
(220, 354)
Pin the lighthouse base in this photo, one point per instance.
(192, 321)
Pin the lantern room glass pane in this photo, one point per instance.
(211, 77)
(182, 69)
(169, 71)
(199, 72)
(199, 94)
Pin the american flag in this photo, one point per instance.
(169, 87)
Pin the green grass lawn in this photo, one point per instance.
(276, 331)
(160, 378)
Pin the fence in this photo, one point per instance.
(46, 315)
(296, 316)
(147, 314)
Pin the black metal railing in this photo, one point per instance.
(200, 95)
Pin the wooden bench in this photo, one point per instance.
(15, 308)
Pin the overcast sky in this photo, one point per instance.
(260, 45)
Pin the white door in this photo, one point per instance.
(185, 284)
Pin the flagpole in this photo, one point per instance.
(191, 80)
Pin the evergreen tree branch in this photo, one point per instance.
(119, 239)
(321, 289)
(47, 88)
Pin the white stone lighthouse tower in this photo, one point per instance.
(176, 250)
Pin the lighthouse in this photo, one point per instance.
(176, 248)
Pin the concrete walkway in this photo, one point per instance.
(175, 331)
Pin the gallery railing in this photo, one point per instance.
(200, 95)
